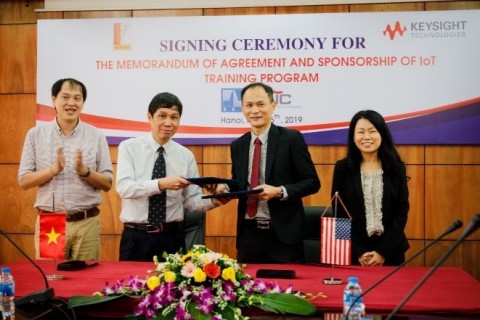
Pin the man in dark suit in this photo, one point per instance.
(271, 230)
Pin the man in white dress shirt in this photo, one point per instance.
(141, 240)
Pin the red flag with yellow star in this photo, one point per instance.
(52, 235)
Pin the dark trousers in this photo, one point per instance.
(139, 245)
(257, 245)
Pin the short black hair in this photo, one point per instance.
(57, 86)
(165, 100)
(265, 87)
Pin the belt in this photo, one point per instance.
(73, 216)
(170, 226)
(260, 224)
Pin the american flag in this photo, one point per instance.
(333, 316)
(336, 241)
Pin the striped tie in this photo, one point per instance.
(252, 201)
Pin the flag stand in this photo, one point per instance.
(54, 276)
(332, 280)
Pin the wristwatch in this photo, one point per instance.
(282, 194)
(86, 174)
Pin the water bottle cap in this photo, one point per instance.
(353, 279)
(6, 269)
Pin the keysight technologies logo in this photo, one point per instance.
(121, 36)
(392, 31)
(428, 29)
(231, 100)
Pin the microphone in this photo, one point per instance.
(474, 224)
(454, 226)
(36, 296)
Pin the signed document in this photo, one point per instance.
(234, 194)
(201, 181)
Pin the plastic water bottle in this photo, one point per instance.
(351, 293)
(7, 291)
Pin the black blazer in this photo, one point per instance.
(288, 164)
(392, 244)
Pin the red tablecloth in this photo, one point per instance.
(450, 290)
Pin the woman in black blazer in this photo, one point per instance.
(372, 183)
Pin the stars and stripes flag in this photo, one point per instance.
(336, 241)
(333, 316)
(52, 235)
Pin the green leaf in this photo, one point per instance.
(197, 315)
(168, 316)
(79, 301)
(286, 303)
(229, 312)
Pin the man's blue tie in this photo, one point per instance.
(157, 208)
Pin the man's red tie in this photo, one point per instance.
(252, 201)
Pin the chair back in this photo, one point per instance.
(194, 228)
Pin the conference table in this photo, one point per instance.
(448, 293)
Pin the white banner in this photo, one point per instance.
(418, 69)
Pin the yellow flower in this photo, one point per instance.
(153, 282)
(187, 257)
(228, 274)
(199, 275)
(169, 276)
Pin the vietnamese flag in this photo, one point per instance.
(52, 235)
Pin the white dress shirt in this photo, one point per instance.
(136, 158)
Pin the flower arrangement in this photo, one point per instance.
(201, 284)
